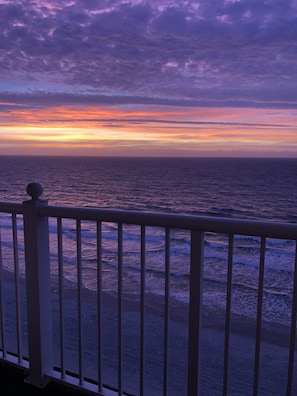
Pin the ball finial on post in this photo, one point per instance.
(34, 189)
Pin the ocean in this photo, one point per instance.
(258, 189)
(263, 189)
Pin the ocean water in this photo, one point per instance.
(260, 189)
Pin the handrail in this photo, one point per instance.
(199, 223)
(225, 225)
(11, 207)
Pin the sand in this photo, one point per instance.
(274, 347)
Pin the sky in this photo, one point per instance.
(148, 78)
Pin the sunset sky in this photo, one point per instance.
(146, 78)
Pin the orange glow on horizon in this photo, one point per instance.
(134, 129)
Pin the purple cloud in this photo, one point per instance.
(228, 52)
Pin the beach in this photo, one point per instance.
(274, 346)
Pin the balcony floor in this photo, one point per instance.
(12, 383)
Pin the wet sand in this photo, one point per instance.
(273, 358)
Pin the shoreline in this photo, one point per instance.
(272, 332)
(273, 358)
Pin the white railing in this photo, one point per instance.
(42, 347)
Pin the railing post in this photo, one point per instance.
(195, 312)
(37, 261)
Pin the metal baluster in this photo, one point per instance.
(142, 309)
(259, 316)
(2, 312)
(293, 330)
(79, 301)
(17, 288)
(195, 312)
(99, 307)
(120, 308)
(228, 314)
(61, 295)
(166, 310)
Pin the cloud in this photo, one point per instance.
(152, 119)
(181, 52)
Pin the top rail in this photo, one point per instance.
(268, 229)
(199, 223)
(9, 207)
